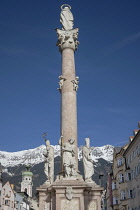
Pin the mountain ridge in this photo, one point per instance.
(35, 156)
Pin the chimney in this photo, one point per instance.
(131, 138)
(135, 131)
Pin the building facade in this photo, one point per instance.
(21, 201)
(132, 173)
(123, 188)
(7, 197)
(0, 183)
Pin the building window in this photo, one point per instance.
(130, 158)
(135, 153)
(128, 161)
(121, 178)
(120, 162)
(115, 200)
(138, 168)
(123, 197)
(132, 174)
(130, 193)
(137, 150)
(114, 185)
(138, 189)
(134, 192)
(20, 206)
(16, 204)
(128, 175)
(7, 202)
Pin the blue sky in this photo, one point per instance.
(107, 62)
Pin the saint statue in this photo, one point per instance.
(61, 82)
(75, 83)
(66, 18)
(69, 162)
(87, 161)
(49, 162)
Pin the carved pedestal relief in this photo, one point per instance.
(92, 205)
(69, 193)
(70, 205)
(47, 206)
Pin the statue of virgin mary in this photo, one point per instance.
(66, 18)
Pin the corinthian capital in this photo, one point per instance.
(67, 39)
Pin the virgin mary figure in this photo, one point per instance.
(66, 18)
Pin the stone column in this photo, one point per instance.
(68, 98)
(67, 43)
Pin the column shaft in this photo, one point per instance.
(68, 99)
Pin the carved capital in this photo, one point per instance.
(67, 39)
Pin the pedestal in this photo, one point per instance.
(70, 195)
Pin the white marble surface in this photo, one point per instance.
(66, 18)
(87, 161)
(49, 162)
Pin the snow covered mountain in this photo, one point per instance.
(35, 156)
